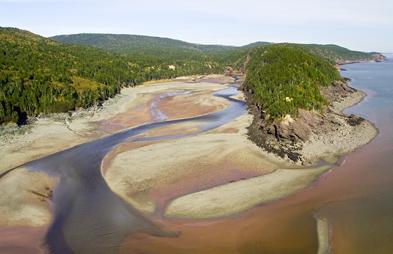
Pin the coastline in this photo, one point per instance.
(228, 199)
(324, 136)
(163, 189)
(331, 144)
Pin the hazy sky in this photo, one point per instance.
(357, 24)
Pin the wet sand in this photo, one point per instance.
(81, 184)
(173, 168)
(236, 197)
(197, 161)
(22, 240)
(353, 199)
(55, 133)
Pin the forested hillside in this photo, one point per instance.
(282, 78)
(338, 54)
(40, 75)
(175, 50)
(165, 49)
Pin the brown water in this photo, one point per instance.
(356, 198)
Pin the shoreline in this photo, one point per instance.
(326, 135)
(213, 203)
(254, 162)
(376, 57)
(48, 136)
(343, 140)
(51, 133)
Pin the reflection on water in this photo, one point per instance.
(88, 216)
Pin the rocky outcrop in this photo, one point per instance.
(287, 136)
(378, 57)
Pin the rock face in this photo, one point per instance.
(337, 91)
(354, 120)
(378, 57)
(286, 137)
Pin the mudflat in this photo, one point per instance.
(191, 174)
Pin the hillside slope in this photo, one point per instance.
(283, 78)
(40, 75)
(170, 49)
(342, 55)
(296, 98)
(163, 48)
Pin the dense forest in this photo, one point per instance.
(176, 50)
(282, 78)
(40, 75)
(164, 49)
(338, 54)
(58, 74)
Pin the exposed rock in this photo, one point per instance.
(287, 120)
(337, 91)
(378, 57)
(301, 129)
(287, 137)
(354, 120)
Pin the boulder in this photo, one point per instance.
(354, 120)
(301, 130)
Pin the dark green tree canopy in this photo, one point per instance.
(284, 78)
(41, 75)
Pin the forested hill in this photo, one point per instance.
(340, 54)
(163, 48)
(166, 48)
(282, 78)
(40, 75)
(45, 75)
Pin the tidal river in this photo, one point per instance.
(348, 210)
(88, 216)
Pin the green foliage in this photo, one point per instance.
(284, 78)
(336, 53)
(40, 75)
(165, 50)
(37, 75)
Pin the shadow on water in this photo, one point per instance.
(88, 216)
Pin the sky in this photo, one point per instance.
(357, 24)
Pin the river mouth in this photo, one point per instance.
(88, 216)
(351, 205)
(353, 201)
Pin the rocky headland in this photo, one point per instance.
(314, 135)
(297, 99)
